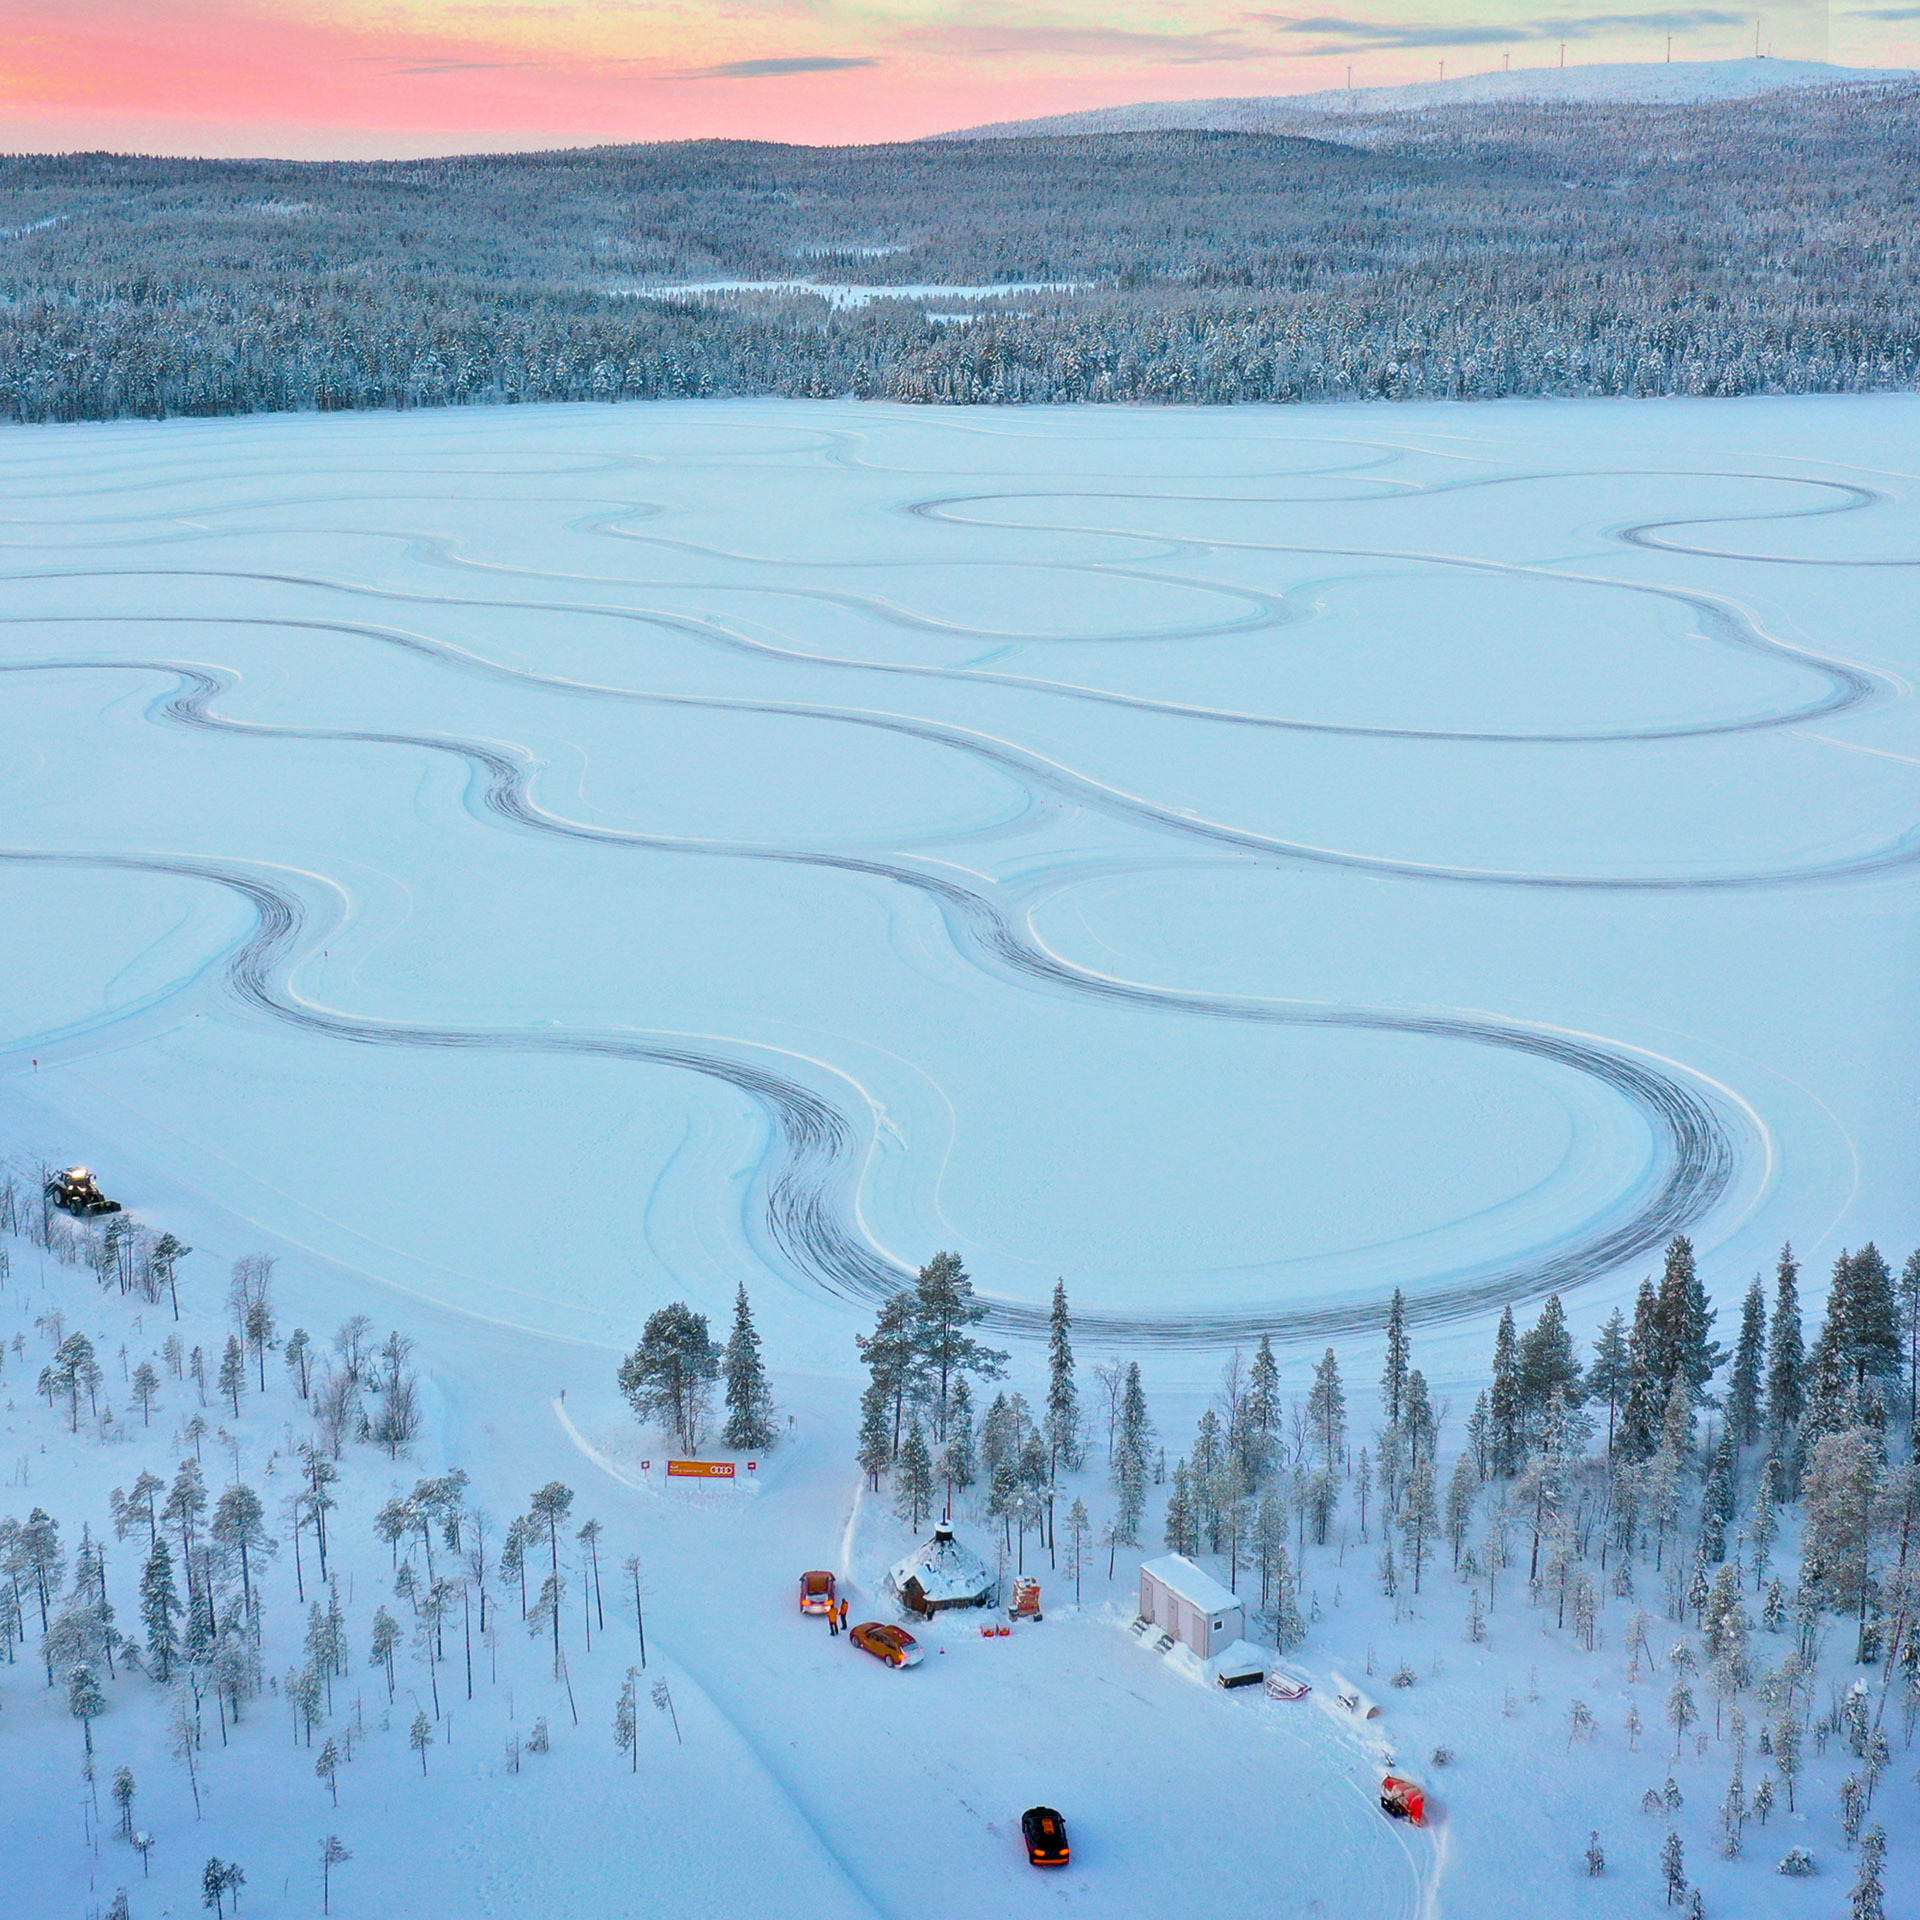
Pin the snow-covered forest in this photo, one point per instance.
(1725, 247)
(239, 1569)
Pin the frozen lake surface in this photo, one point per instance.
(552, 861)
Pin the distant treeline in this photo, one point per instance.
(1740, 247)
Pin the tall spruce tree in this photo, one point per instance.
(1548, 1370)
(1909, 1298)
(1393, 1376)
(1260, 1415)
(1504, 1407)
(1749, 1363)
(891, 1365)
(1063, 1396)
(913, 1478)
(944, 1308)
(1645, 1404)
(749, 1426)
(160, 1611)
(1327, 1414)
(1132, 1459)
(1870, 1319)
(1786, 1356)
(1608, 1376)
(667, 1377)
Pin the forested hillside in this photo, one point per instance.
(1732, 247)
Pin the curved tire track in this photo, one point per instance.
(805, 1216)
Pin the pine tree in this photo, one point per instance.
(85, 1701)
(1393, 1377)
(333, 1853)
(1327, 1413)
(239, 1527)
(1132, 1459)
(876, 1432)
(1548, 1372)
(1463, 1489)
(626, 1719)
(420, 1738)
(958, 1464)
(1673, 1867)
(749, 1427)
(1063, 1396)
(1786, 1356)
(1868, 1900)
(1182, 1530)
(1645, 1401)
(1504, 1408)
(160, 1611)
(944, 1307)
(1608, 1376)
(1749, 1362)
(386, 1639)
(1909, 1306)
(666, 1378)
(232, 1378)
(1419, 1518)
(326, 1767)
(1869, 1317)
(892, 1370)
(913, 1478)
(1260, 1416)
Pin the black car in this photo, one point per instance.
(1046, 1836)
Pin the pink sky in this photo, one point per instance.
(315, 78)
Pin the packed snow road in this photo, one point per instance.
(1243, 861)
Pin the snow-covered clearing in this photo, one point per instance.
(522, 867)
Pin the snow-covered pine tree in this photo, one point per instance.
(1132, 1459)
(232, 1379)
(913, 1478)
(1063, 1396)
(1611, 1370)
(1786, 1353)
(1504, 1409)
(667, 1378)
(944, 1309)
(749, 1425)
(1749, 1366)
(1327, 1414)
(1868, 1900)
(958, 1464)
(420, 1738)
(1182, 1530)
(1393, 1376)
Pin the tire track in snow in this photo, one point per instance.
(805, 1211)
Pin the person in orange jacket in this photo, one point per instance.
(833, 1619)
(844, 1604)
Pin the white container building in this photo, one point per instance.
(1190, 1604)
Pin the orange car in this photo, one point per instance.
(895, 1645)
(816, 1593)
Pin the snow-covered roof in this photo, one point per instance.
(1193, 1584)
(945, 1569)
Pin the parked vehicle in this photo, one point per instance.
(74, 1191)
(1402, 1799)
(816, 1592)
(895, 1645)
(1046, 1836)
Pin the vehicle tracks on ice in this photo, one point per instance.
(806, 1215)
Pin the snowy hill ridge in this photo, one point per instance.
(1663, 83)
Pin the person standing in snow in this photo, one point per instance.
(833, 1619)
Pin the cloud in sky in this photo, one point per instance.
(1353, 35)
(774, 69)
(977, 40)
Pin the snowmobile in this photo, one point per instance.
(76, 1192)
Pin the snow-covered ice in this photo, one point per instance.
(524, 866)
